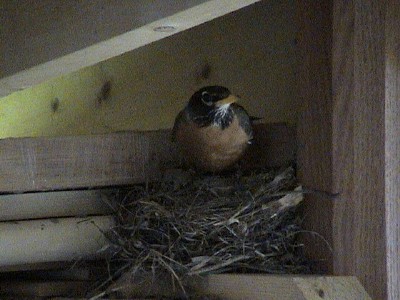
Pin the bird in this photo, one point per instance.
(212, 131)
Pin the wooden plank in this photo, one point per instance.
(315, 124)
(364, 147)
(285, 287)
(359, 109)
(364, 142)
(65, 271)
(80, 34)
(45, 270)
(42, 289)
(83, 161)
(36, 266)
(246, 286)
(54, 205)
(367, 251)
(343, 132)
(225, 286)
(346, 288)
(275, 145)
(392, 148)
(253, 287)
(52, 240)
(315, 81)
(38, 164)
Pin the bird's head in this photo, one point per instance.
(211, 102)
(211, 97)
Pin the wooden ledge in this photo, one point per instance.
(225, 286)
(59, 163)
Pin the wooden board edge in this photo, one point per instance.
(116, 159)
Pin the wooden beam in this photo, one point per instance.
(362, 108)
(47, 39)
(52, 240)
(225, 286)
(36, 267)
(285, 287)
(244, 286)
(392, 148)
(364, 140)
(315, 124)
(374, 146)
(29, 290)
(54, 205)
(343, 132)
(40, 164)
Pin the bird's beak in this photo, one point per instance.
(228, 100)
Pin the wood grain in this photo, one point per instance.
(42, 289)
(368, 198)
(343, 131)
(54, 204)
(247, 286)
(366, 144)
(392, 148)
(315, 126)
(52, 240)
(234, 286)
(80, 34)
(226, 286)
(275, 145)
(40, 164)
(329, 287)
(363, 131)
(315, 123)
(359, 143)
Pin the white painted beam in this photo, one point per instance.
(54, 204)
(52, 240)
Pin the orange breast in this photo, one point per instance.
(211, 148)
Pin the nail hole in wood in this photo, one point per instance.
(55, 104)
(321, 293)
(205, 71)
(105, 91)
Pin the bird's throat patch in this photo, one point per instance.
(222, 116)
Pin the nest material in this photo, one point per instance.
(210, 224)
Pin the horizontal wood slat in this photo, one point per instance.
(224, 286)
(54, 204)
(52, 240)
(33, 290)
(40, 164)
(246, 286)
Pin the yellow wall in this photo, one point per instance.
(251, 51)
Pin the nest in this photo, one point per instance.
(204, 225)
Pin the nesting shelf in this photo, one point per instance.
(348, 133)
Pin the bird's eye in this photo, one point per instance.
(206, 98)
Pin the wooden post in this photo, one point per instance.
(362, 134)
(315, 123)
(392, 148)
